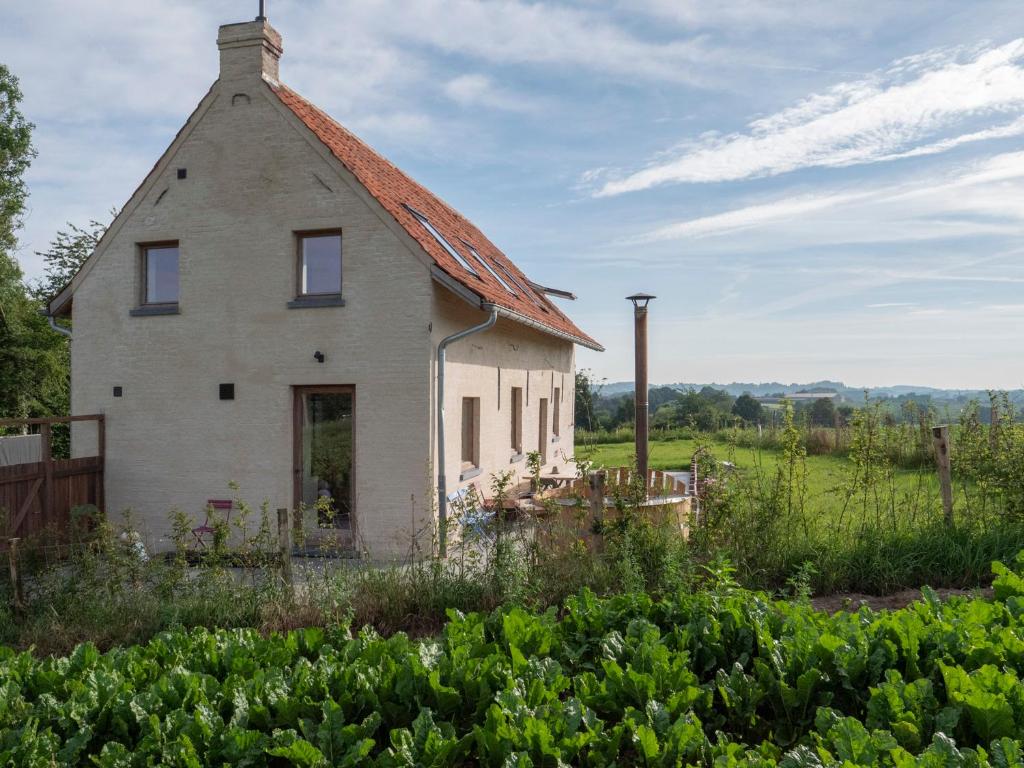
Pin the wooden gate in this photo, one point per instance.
(39, 496)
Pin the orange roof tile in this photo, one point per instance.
(394, 190)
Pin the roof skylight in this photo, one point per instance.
(489, 268)
(526, 291)
(442, 241)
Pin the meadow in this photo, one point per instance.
(856, 509)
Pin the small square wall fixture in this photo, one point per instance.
(227, 391)
(118, 391)
(182, 173)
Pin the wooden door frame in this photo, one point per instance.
(298, 390)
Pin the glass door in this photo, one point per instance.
(325, 456)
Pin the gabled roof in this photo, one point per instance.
(402, 198)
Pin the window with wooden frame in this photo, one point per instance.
(470, 433)
(556, 430)
(318, 264)
(160, 273)
(517, 420)
(158, 279)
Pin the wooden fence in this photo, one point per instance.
(39, 496)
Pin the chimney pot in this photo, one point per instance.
(247, 49)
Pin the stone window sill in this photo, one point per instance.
(309, 302)
(147, 310)
(469, 474)
(516, 458)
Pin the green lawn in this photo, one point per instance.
(827, 475)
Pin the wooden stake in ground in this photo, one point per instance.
(597, 491)
(12, 554)
(284, 543)
(940, 439)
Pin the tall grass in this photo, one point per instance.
(105, 593)
(878, 531)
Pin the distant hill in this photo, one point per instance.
(854, 394)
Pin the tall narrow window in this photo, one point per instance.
(470, 432)
(319, 263)
(555, 411)
(517, 420)
(160, 273)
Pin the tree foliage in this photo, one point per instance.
(584, 404)
(16, 154)
(65, 256)
(33, 359)
(823, 412)
(747, 408)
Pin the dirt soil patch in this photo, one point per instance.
(852, 601)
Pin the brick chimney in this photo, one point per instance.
(247, 49)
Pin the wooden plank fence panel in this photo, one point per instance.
(37, 498)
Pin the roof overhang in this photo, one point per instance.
(473, 299)
(60, 305)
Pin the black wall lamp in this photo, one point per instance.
(318, 356)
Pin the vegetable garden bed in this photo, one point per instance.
(724, 677)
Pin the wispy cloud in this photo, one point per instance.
(985, 198)
(477, 90)
(900, 111)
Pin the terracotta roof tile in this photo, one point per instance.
(394, 190)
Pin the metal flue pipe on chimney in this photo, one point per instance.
(640, 301)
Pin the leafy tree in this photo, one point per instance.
(823, 412)
(33, 359)
(66, 254)
(583, 412)
(16, 155)
(747, 408)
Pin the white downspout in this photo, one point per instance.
(58, 328)
(442, 489)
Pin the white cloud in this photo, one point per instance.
(476, 90)
(881, 117)
(986, 198)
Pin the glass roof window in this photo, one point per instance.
(489, 268)
(442, 241)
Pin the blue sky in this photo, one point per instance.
(812, 189)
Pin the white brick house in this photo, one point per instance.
(268, 309)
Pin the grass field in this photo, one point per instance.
(825, 474)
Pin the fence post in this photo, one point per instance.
(47, 457)
(12, 554)
(284, 543)
(940, 439)
(597, 493)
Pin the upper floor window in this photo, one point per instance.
(160, 273)
(319, 263)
